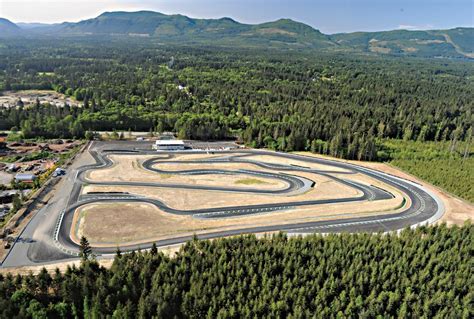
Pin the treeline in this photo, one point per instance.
(449, 165)
(421, 273)
(332, 104)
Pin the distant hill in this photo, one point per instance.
(26, 26)
(8, 28)
(284, 33)
(290, 32)
(457, 42)
(461, 38)
(182, 28)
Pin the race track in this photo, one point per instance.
(424, 206)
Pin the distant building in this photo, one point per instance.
(169, 145)
(25, 178)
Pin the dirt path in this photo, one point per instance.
(457, 47)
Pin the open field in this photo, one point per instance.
(116, 223)
(185, 199)
(129, 168)
(28, 97)
(131, 223)
(287, 161)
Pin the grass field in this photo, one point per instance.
(250, 181)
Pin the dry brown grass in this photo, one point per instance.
(3, 251)
(119, 223)
(288, 161)
(186, 199)
(128, 168)
(115, 223)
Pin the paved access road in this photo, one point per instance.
(46, 239)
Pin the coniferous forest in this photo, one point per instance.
(421, 273)
(355, 106)
(335, 104)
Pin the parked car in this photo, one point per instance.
(58, 172)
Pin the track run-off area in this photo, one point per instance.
(260, 185)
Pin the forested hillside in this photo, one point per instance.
(281, 34)
(419, 43)
(333, 104)
(422, 273)
(8, 28)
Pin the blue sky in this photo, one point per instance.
(329, 16)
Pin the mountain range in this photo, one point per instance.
(283, 33)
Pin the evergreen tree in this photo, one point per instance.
(85, 250)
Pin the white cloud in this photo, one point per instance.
(52, 11)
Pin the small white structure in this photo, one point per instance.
(169, 145)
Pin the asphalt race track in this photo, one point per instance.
(425, 207)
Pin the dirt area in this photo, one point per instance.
(55, 146)
(128, 168)
(107, 223)
(5, 178)
(3, 251)
(150, 223)
(32, 157)
(28, 97)
(288, 161)
(219, 165)
(190, 157)
(186, 199)
(51, 268)
(457, 210)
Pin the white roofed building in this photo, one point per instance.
(25, 178)
(169, 145)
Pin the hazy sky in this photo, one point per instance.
(327, 15)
